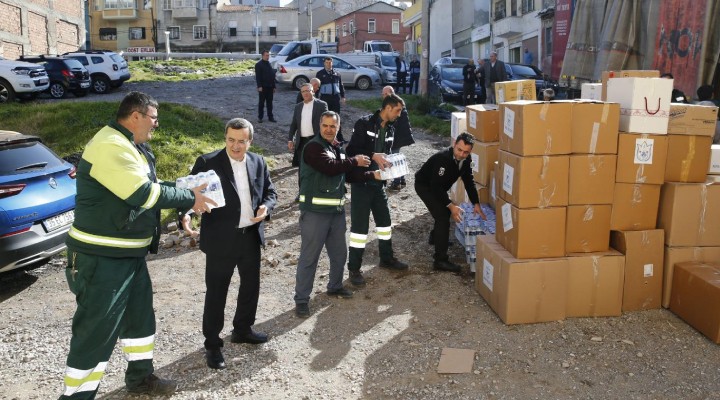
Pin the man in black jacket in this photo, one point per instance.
(265, 80)
(469, 82)
(432, 183)
(401, 69)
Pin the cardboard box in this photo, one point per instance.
(690, 214)
(595, 284)
(483, 122)
(692, 119)
(520, 291)
(591, 91)
(493, 186)
(644, 103)
(674, 255)
(594, 127)
(688, 158)
(625, 74)
(458, 194)
(458, 125)
(531, 128)
(588, 228)
(523, 89)
(483, 194)
(533, 182)
(696, 297)
(483, 159)
(641, 158)
(530, 232)
(643, 283)
(714, 160)
(591, 179)
(635, 207)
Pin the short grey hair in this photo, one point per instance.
(240, 123)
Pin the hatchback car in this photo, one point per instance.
(37, 201)
(66, 75)
(21, 80)
(106, 68)
(299, 71)
(446, 82)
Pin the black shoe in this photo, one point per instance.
(446, 266)
(215, 359)
(302, 310)
(297, 198)
(342, 293)
(272, 120)
(393, 263)
(356, 278)
(259, 120)
(153, 385)
(395, 187)
(251, 337)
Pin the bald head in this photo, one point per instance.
(315, 82)
(387, 91)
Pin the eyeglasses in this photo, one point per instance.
(233, 141)
(152, 117)
(306, 91)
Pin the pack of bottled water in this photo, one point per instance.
(397, 169)
(472, 225)
(213, 190)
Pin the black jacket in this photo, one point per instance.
(440, 172)
(264, 74)
(364, 136)
(403, 132)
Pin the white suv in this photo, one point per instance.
(21, 79)
(107, 69)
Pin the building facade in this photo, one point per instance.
(380, 21)
(124, 25)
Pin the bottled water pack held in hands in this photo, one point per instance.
(397, 169)
(213, 190)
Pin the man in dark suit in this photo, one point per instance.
(232, 236)
(494, 72)
(401, 69)
(305, 123)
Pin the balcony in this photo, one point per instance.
(508, 27)
(120, 13)
(185, 13)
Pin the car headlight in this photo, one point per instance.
(447, 89)
(21, 71)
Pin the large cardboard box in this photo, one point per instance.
(483, 122)
(643, 283)
(696, 297)
(595, 127)
(688, 158)
(531, 128)
(520, 291)
(635, 207)
(692, 119)
(641, 158)
(530, 232)
(591, 178)
(523, 89)
(458, 125)
(644, 103)
(628, 73)
(591, 91)
(674, 255)
(595, 284)
(458, 194)
(483, 159)
(533, 182)
(588, 228)
(714, 160)
(690, 214)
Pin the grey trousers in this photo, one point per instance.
(318, 230)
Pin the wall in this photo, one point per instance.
(440, 30)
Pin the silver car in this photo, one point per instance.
(300, 70)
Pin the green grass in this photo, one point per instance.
(418, 109)
(186, 70)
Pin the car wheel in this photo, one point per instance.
(100, 84)
(7, 94)
(300, 81)
(81, 93)
(363, 83)
(57, 90)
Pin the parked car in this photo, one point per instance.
(300, 70)
(446, 82)
(107, 69)
(386, 63)
(66, 75)
(21, 79)
(521, 71)
(274, 49)
(37, 201)
(451, 60)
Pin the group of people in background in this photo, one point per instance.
(486, 74)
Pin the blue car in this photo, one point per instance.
(37, 201)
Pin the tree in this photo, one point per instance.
(221, 30)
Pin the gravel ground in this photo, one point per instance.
(384, 343)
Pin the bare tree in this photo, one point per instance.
(221, 30)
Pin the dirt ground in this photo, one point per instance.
(385, 343)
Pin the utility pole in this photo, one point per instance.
(256, 29)
(310, 25)
(425, 43)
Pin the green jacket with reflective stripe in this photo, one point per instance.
(321, 192)
(117, 202)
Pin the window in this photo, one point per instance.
(202, 3)
(548, 39)
(352, 26)
(174, 32)
(119, 4)
(396, 27)
(344, 30)
(273, 30)
(232, 32)
(499, 9)
(137, 33)
(98, 5)
(513, 8)
(371, 25)
(167, 5)
(96, 60)
(528, 6)
(199, 32)
(337, 32)
(108, 34)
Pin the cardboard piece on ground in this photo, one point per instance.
(456, 361)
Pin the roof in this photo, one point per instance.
(241, 8)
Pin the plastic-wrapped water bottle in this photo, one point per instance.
(191, 181)
(181, 183)
(214, 188)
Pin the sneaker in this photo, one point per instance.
(153, 385)
(393, 263)
(356, 278)
(302, 310)
(342, 293)
(446, 266)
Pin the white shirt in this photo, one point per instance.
(306, 128)
(243, 187)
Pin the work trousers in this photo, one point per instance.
(414, 83)
(318, 230)
(333, 102)
(114, 300)
(366, 198)
(441, 214)
(218, 273)
(401, 82)
(265, 98)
